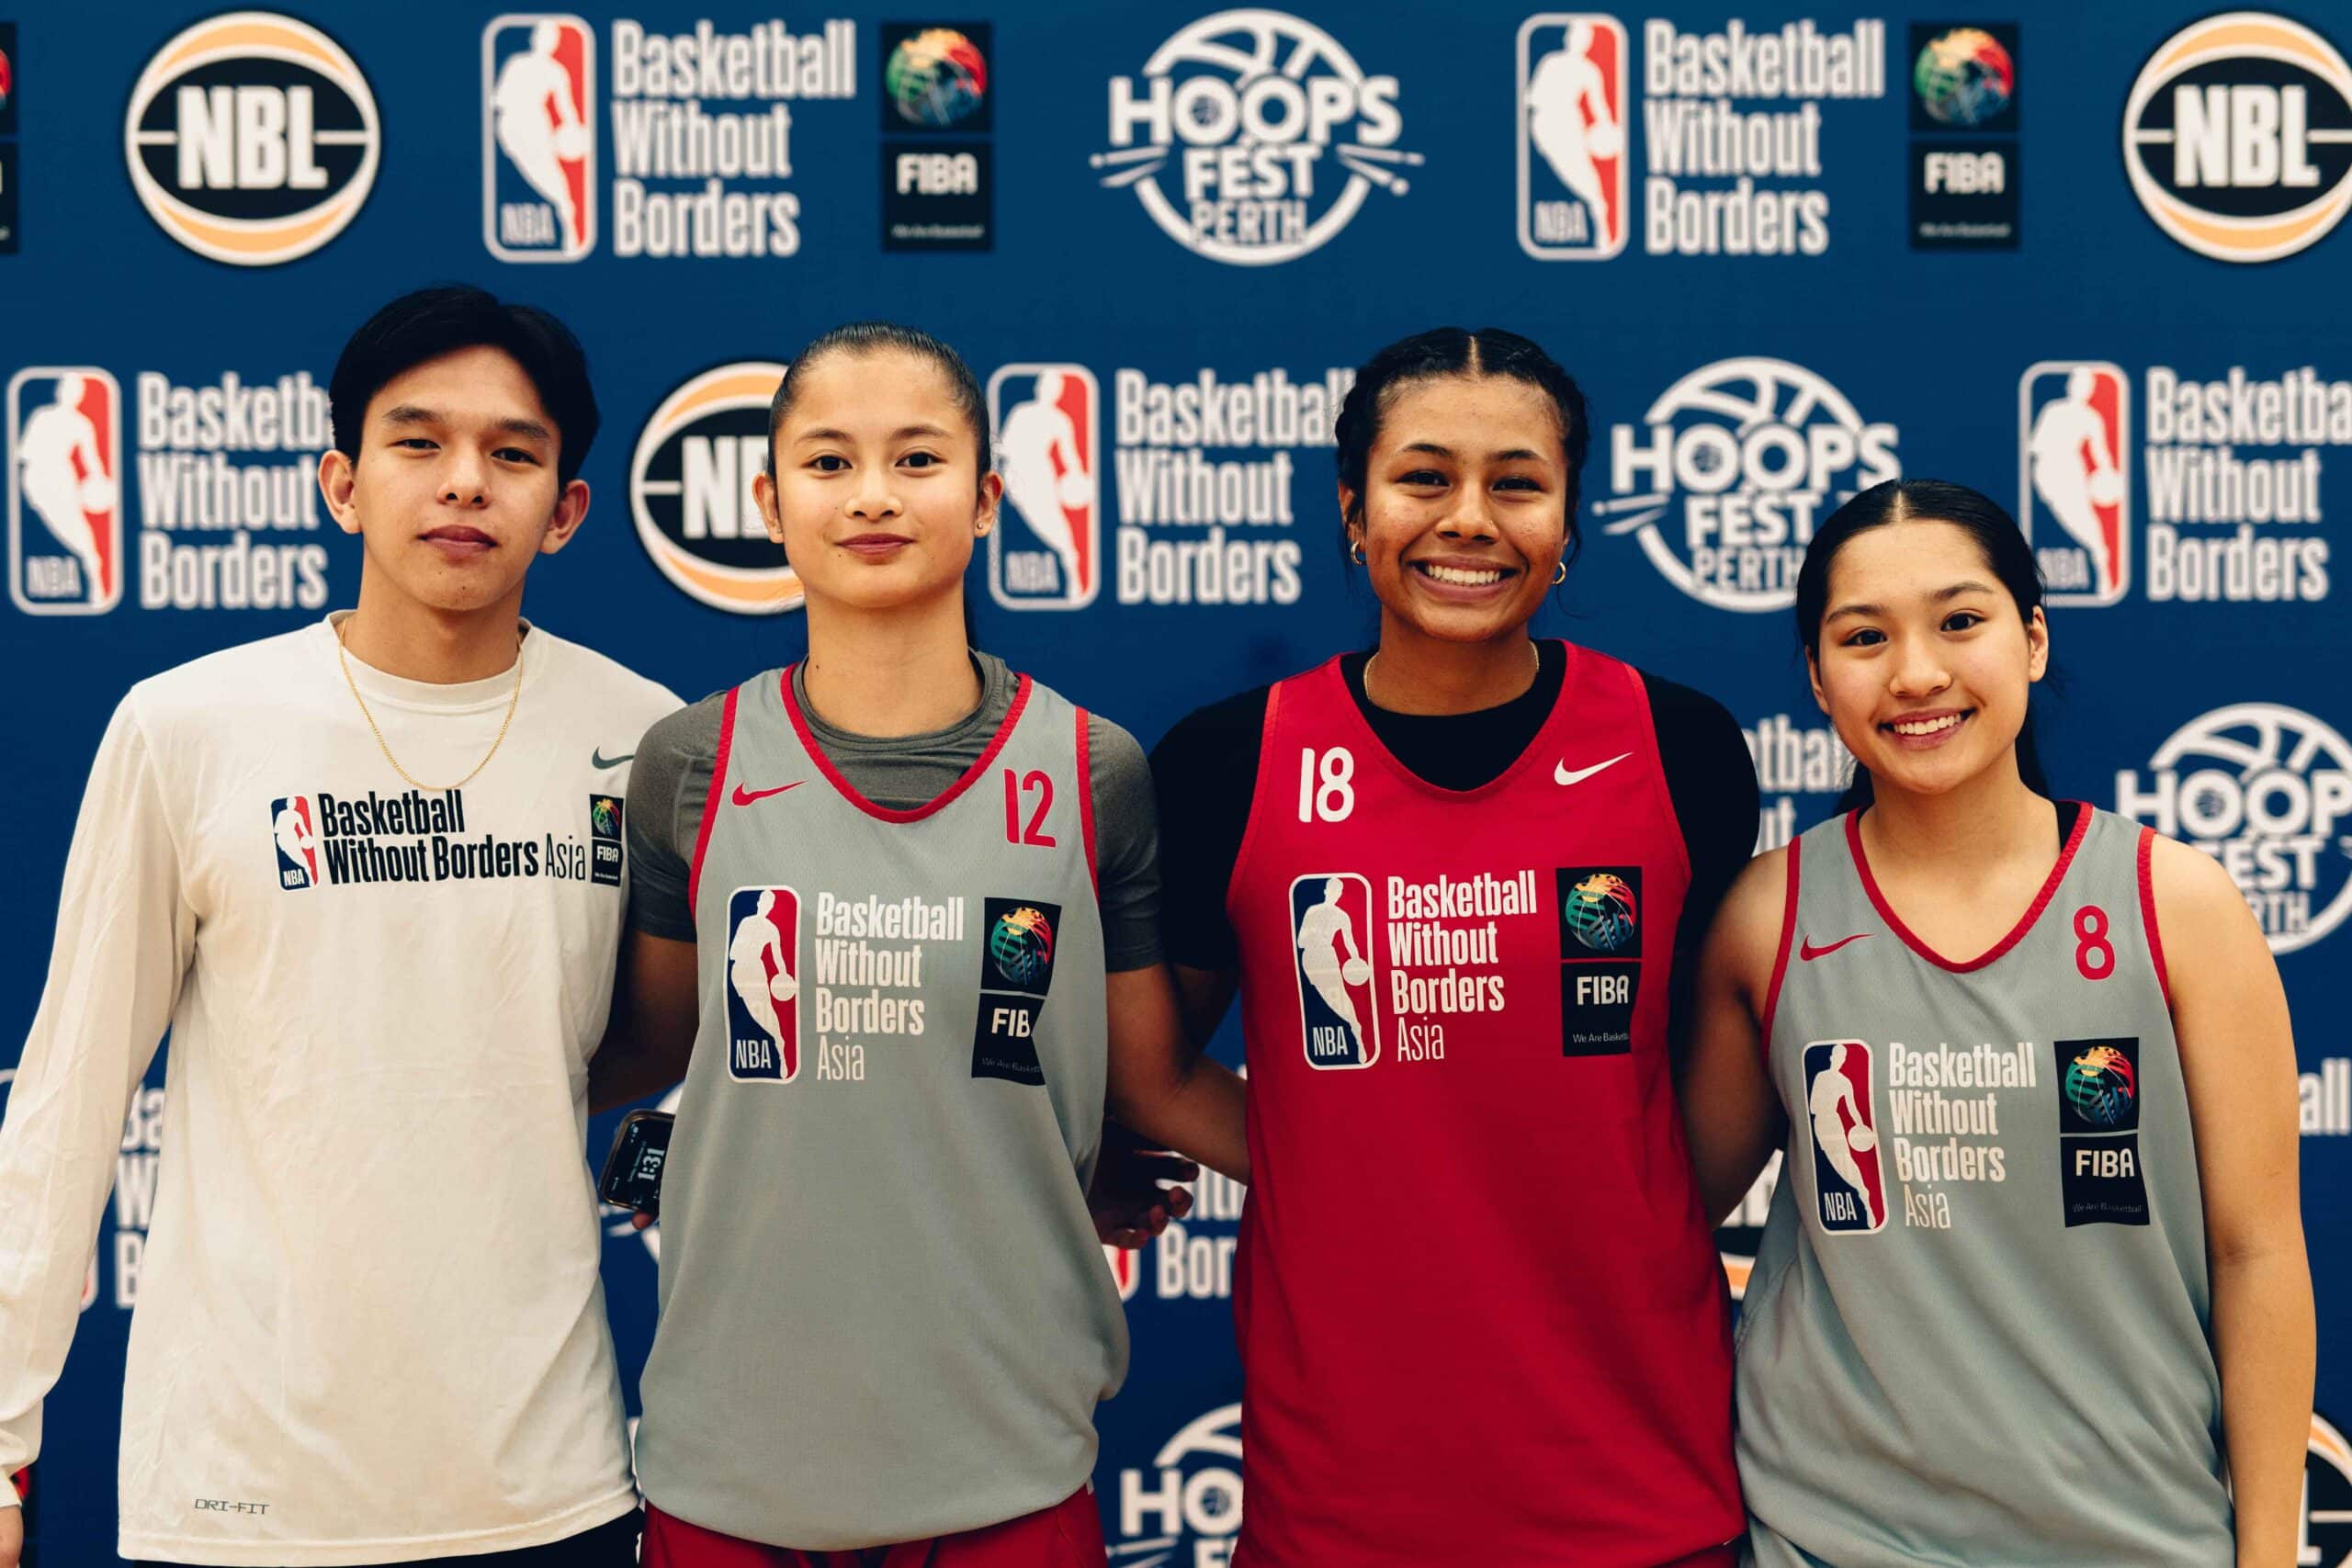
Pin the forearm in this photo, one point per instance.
(2263, 1337)
(1200, 1112)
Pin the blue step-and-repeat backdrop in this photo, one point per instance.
(2081, 258)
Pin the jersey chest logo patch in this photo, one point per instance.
(1848, 1188)
(1600, 957)
(2098, 1132)
(605, 839)
(762, 984)
(1332, 959)
(296, 828)
(1016, 971)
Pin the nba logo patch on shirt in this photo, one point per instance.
(538, 129)
(605, 854)
(295, 826)
(2098, 1132)
(1330, 926)
(1849, 1193)
(1601, 958)
(1016, 971)
(64, 491)
(762, 984)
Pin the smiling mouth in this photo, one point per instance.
(1463, 577)
(1927, 725)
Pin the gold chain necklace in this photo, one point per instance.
(344, 657)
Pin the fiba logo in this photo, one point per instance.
(1046, 551)
(2326, 1536)
(538, 138)
(1731, 469)
(1020, 945)
(64, 491)
(1599, 913)
(1190, 1496)
(295, 829)
(1964, 77)
(1338, 1004)
(764, 985)
(1575, 168)
(936, 79)
(251, 138)
(2238, 137)
(1253, 108)
(1848, 1190)
(2101, 1089)
(2074, 469)
(690, 491)
(2262, 788)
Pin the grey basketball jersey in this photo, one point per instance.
(885, 1316)
(1977, 1331)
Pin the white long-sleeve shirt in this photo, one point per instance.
(369, 1324)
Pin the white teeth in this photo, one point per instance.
(1928, 726)
(1455, 574)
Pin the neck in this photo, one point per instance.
(1990, 818)
(400, 637)
(886, 673)
(1414, 672)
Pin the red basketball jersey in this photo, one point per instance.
(1478, 1306)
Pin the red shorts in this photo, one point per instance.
(1069, 1535)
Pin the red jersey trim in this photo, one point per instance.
(2148, 913)
(1258, 791)
(1780, 960)
(2017, 932)
(848, 791)
(1537, 745)
(1086, 805)
(716, 798)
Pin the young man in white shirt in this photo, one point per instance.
(371, 875)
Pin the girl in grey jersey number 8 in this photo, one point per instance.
(2034, 1289)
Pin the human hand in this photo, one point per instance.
(1129, 1204)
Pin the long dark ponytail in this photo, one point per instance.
(1937, 500)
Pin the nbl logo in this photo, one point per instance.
(1330, 922)
(1575, 178)
(1849, 1196)
(1045, 550)
(251, 138)
(690, 491)
(2238, 137)
(64, 491)
(295, 826)
(762, 984)
(538, 138)
(2326, 1537)
(2074, 467)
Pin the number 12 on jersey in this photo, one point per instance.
(1327, 786)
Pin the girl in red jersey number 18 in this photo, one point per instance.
(1448, 879)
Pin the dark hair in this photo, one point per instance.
(1451, 351)
(433, 321)
(869, 337)
(1926, 500)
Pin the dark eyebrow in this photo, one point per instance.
(1515, 454)
(1939, 596)
(529, 429)
(1957, 589)
(409, 414)
(901, 433)
(1851, 610)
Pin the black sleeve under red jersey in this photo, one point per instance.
(1205, 771)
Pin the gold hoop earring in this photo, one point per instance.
(1560, 574)
(1355, 551)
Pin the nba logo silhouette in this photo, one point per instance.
(538, 138)
(1575, 174)
(64, 491)
(1044, 553)
(764, 985)
(294, 827)
(1127, 1269)
(1330, 926)
(1847, 1194)
(2075, 478)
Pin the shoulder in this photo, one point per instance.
(614, 688)
(2196, 901)
(1689, 717)
(1745, 942)
(1230, 728)
(1111, 750)
(683, 735)
(192, 695)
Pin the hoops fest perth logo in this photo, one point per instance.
(2238, 137)
(1190, 1498)
(1253, 108)
(1730, 470)
(64, 491)
(538, 138)
(1045, 552)
(690, 491)
(2074, 477)
(1574, 166)
(251, 138)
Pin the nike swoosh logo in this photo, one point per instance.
(1806, 950)
(1560, 774)
(596, 755)
(745, 797)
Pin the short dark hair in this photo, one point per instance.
(869, 337)
(1451, 351)
(1987, 523)
(430, 323)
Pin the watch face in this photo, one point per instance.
(632, 1178)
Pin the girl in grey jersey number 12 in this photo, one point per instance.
(2032, 1289)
